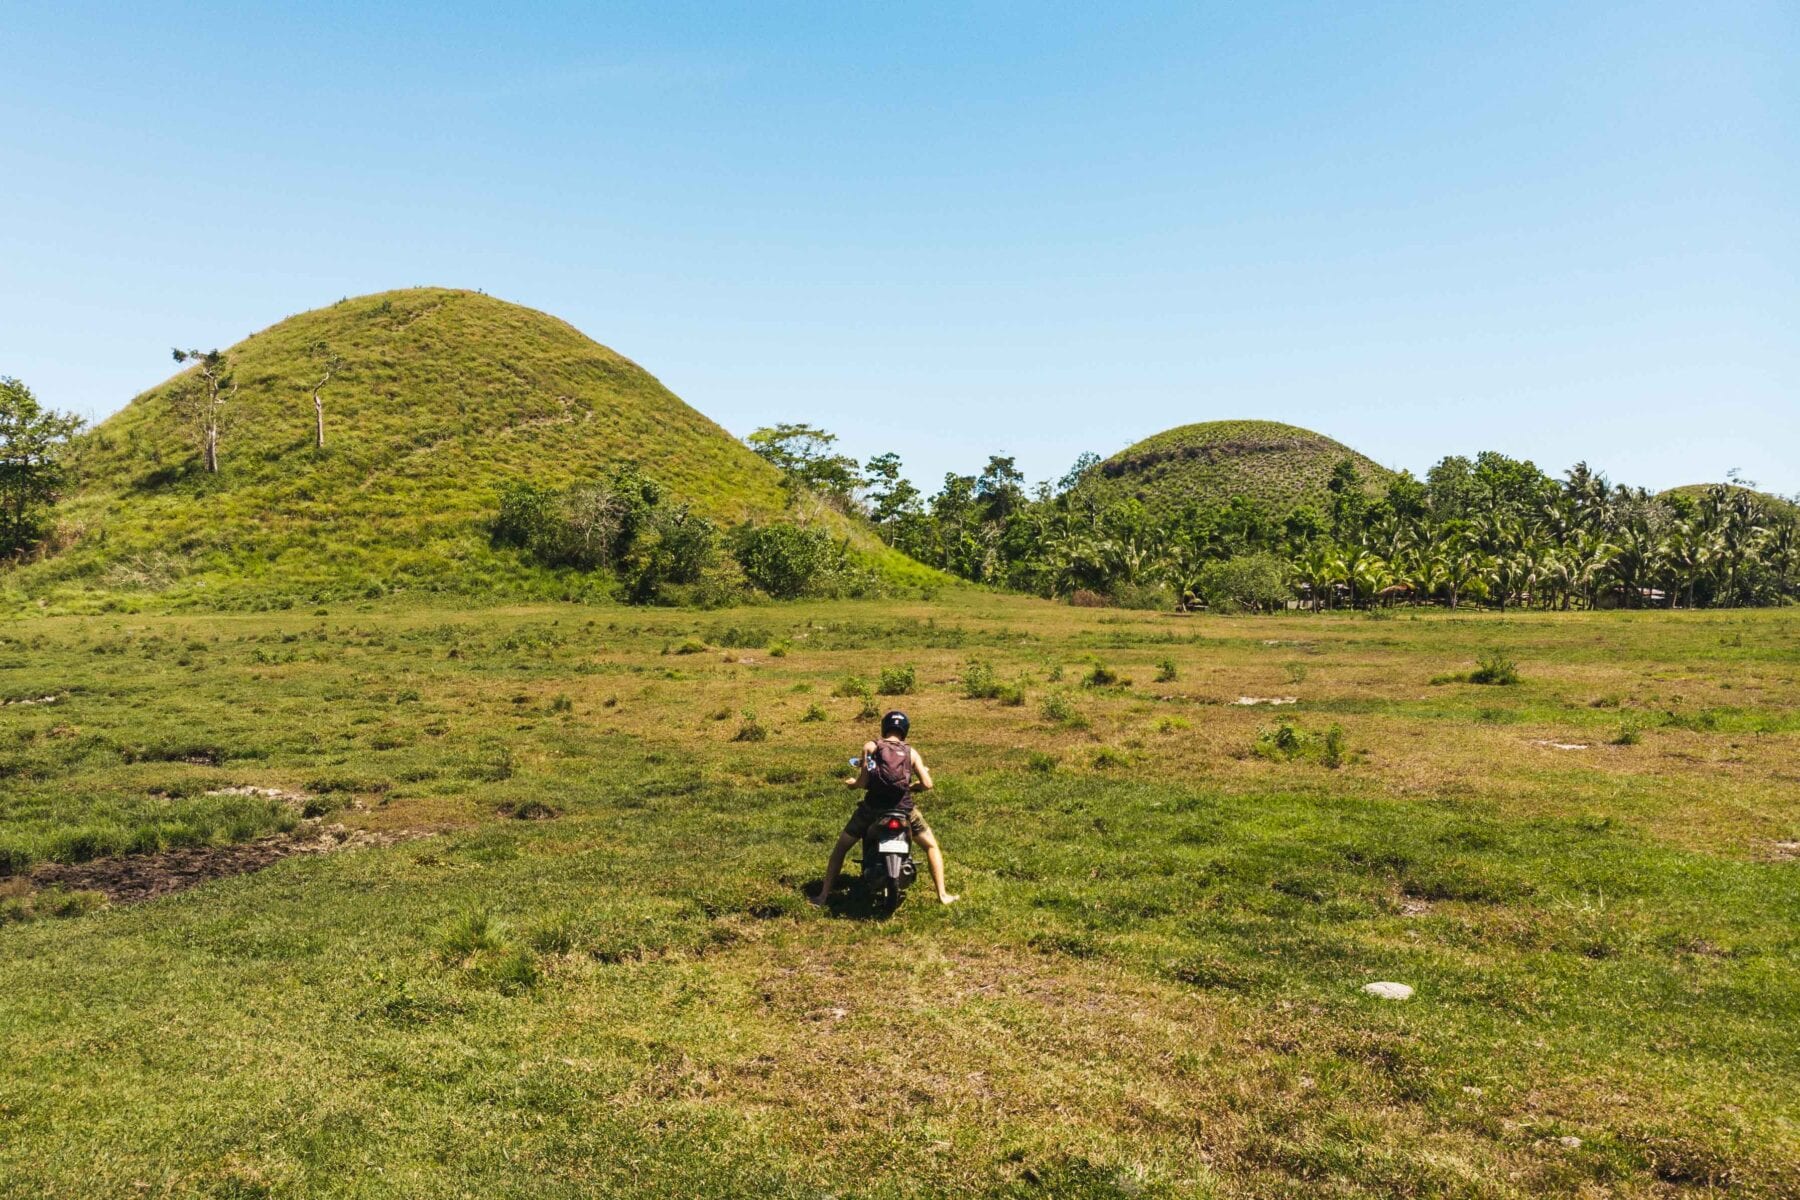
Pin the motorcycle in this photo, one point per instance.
(887, 861)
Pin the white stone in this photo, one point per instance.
(1388, 991)
(1569, 1143)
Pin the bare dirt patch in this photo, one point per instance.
(134, 878)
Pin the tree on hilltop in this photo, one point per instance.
(32, 439)
(201, 402)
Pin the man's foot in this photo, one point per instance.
(818, 901)
(947, 898)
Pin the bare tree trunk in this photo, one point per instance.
(318, 421)
(212, 449)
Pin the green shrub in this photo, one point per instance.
(814, 712)
(751, 730)
(851, 686)
(1013, 694)
(1103, 676)
(1059, 707)
(1149, 597)
(788, 561)
(1108, 758)
(1628, 734)
(1283, 740)
(898, 681)
(979, 680)
(1166, 672)
(562, 704)
(1333, 752)
(1040, 762)
(1245, 583)
(692, 646)
(1286, 741)
(1495, 669)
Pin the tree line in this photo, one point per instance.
(1491, 530)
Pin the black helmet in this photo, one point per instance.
(895, 723)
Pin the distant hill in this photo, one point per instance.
(1281, 467)
(446, 396)
(1779, 505)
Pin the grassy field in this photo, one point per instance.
(1151, 988)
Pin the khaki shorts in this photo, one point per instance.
(865, 815)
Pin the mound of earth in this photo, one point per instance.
(1774, 505)
(1280, 467)
(134, 878)
(444, 397)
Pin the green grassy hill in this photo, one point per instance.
(447, 396)
(1280, 466)
(1778, 506)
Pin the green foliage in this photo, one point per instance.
(33, 443)
(449, 401)
(1059, 708)
(898, 681)
(980, 681)
(1245, 583)
(789, 561)
(1102, 676)
(1496, 669)
(752, 730)
(1165, 671)
(1286, 740)
(804, 457)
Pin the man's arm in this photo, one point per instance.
(921, 772)
(861, 778)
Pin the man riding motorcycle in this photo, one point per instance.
(901, 761)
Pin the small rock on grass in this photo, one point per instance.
(1569, 1142)
(1388, 991)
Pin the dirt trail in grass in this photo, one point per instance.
(133, 878)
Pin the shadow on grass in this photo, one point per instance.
(850, 899)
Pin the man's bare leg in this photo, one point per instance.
(935, 857)
(844, 842)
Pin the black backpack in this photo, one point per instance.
(890, 773)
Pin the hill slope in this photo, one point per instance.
(1279, 466)
(447, 396)
(1779, 506)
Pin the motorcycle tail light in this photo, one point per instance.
(892, 824)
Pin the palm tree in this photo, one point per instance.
(1315, 568)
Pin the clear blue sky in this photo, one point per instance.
(1562, 231)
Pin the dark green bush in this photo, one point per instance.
(789, 561)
